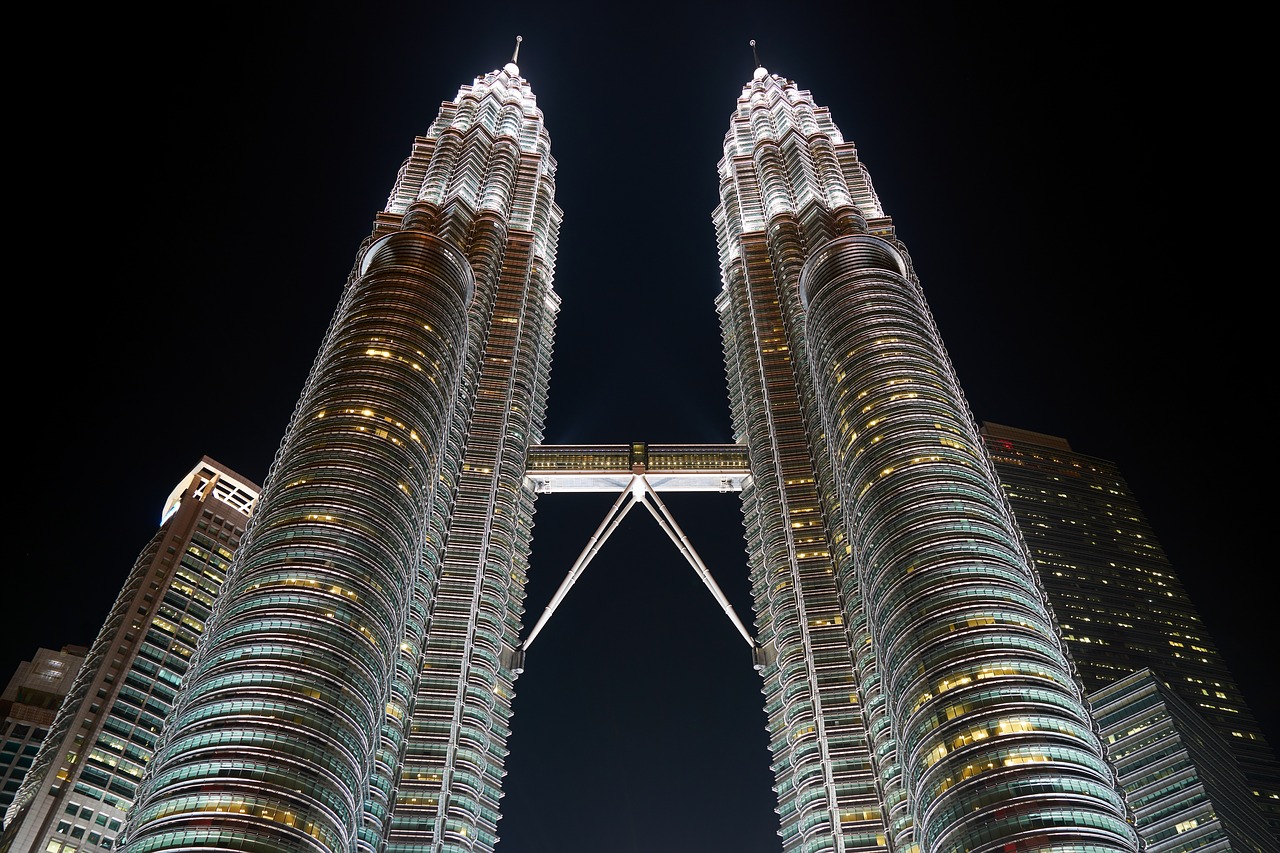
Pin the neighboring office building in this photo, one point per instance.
(1116, 597)
(27, 708)
(1181, 780)
(85, 774)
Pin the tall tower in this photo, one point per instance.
(919, 695)
(1119, 602)
(486, 166)
(354, 682)
(27, 706)
(1180, 778)
(85, 776)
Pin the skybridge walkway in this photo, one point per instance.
(637, 472)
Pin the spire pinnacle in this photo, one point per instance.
(511, 67)
(761, 72)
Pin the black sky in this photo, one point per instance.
(1066, 180)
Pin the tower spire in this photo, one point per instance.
(511, 67)
(755, 55)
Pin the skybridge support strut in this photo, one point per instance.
(638, 490)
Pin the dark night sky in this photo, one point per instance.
(1065, 181)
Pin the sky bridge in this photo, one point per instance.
(637, 472)
(609, 467)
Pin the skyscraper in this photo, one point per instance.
(1181, 780)
(85, 776)
(919, 695)
(27, 707)
(1118, 600)
(354, 683)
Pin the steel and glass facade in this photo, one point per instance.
(28, 706)
(1179, 777)
(486, 165)
(918, 694)
(85, 776)
(353, 688)
(1118, 600)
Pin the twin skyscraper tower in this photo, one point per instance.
(353, 686)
